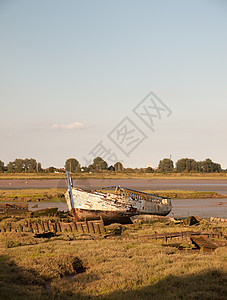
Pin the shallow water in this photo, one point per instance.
(204, 208)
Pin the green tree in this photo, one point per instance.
(39, 167)
(217, 168)
(32, 165)
(19, 165)
(149, 170)
(99, 164)
(51, 169)
(26, 164)
(181, 165)
(11, 167)
(118, 166)
(194, 165)
(200, 166)
(2, 168)
(72, 165)
(165, 165)
(208, 166)
(111, 168)
(90, 168)
(186, 165)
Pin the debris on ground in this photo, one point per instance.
(114, 229)
(13, 208)
(216, 220)
(139, 219)
(46, 235)
(50, 211)
(42, 225)
(202, 242)
(192, 220)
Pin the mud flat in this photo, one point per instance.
(204, 208)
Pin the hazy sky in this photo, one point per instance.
(72, 71)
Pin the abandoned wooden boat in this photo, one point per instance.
(116, 205)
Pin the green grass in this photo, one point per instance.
(116, 268)
(33, 195)
(174, 194)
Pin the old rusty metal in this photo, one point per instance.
(181, 234)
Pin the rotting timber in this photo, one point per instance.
(116, 205)
(13, 208)
(47, 227)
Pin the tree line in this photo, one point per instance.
(21, 165)
(98, 165)
(166, 165)
(187, 165)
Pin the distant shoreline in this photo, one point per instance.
(116, 175)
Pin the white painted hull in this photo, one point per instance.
(90, 205)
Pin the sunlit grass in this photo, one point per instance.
(33, 195)
(176, 194)
(124, 267)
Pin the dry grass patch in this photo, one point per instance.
(174, 194)
(33, 195)
(123, 267)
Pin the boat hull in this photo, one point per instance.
(115, 208)
(108, 216)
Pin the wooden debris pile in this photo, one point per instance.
(13, 208)
(39, 227)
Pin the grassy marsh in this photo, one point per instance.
(174, 194)
(33, 195)
(124, 267)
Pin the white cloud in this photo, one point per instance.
(75, 125)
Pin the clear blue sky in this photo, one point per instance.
(71, 71)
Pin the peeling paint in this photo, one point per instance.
(123, 203)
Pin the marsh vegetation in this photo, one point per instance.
(122, 266)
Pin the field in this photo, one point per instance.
(115, 175)
(125, 266)
(187, 194)
(111, 266)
